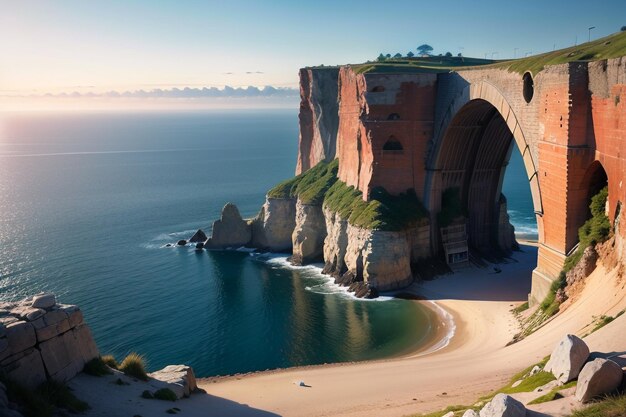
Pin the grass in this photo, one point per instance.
(320, 185)
(134, 365)
(109, 360)
(612, 46)
(420, 64)
(165, 394)
(453, 408)
(310, 186)
(97, 367)
(45, 400)
(612, 406)
(554, 394)
(520, 308)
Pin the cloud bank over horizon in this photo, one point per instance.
(174, 92)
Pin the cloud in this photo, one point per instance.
(186, 92)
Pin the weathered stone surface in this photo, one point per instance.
(503, 405)
(449, 414)
(85, 342)
(230, 230)
(308, 234)
(335, 244)
(21, 336)
(601, 376)
(180, 379)
(319, 118)
(584, 267)
(198, 237)
(62, 357)
(44, 301)
(470, 413)
(273, 227)
(25, 367)
(568, 358)
(28, 313)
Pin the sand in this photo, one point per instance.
(475, 361)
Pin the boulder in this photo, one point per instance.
(503, 405)
(198, 237)
(230, 230)
(448, 414)
(21, 336)
(598, 377)
(568, 358)
(178, 378)
(536, 369)
(181, 242)
(44, 301)
(470, 413)
(200, 245)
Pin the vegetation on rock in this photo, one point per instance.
(97, 367)
(319, 185)
(165, 394)
(109, 360)
(134, 365)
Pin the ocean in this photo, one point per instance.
(89, 201)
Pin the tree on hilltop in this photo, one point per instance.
(398, 55)
(381, 57)
(623, 29)
(425, 49)
(388, 56)
(410, 54)
(449, 54)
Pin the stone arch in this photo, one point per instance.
(483, 90)
(471, 148)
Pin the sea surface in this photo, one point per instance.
(89, 201)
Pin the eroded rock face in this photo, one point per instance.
(568, 358)
(308, 234)
(37, 344)
(230, 230)
(273, 227)
(506, 231)
(584, 267)
(503, 405)
(335, 244)
(179, 378)
(381, 258)
(598, 377)
(198, 237)
(319, 116)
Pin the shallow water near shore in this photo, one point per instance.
(88, 203)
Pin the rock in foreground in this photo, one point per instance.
(503, 405)
(598, 377)
(179, 378)
(568, 358)
(230, 230)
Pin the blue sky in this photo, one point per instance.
(57, 46)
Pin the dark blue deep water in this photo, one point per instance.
(87, 203)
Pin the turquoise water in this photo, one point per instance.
(88, 202)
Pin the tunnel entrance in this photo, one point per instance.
(472, 159)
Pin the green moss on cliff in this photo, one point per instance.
(319, 185)
(310, 186)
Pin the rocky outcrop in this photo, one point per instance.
(568, 358)
(198, 237)
(584, 267)
(503, 405)
(319, 118)
(230, 230)
(506, 231)
(308, 234)
(598, 377)
(41, 339)
(272, 229)
(178, 378)
(335, 244)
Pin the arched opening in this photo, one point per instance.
(529, 87)
(393, 145)
(595, 180)
(393, 116)
(377, 89)
(473, 156)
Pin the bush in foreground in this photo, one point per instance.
(134, 365)
(109, 360)
(96, 367)
(165, 394)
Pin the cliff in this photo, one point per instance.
(319, 118)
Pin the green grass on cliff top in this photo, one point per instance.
(612, 46)
(319, 185)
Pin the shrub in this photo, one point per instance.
(96, 367)
(134, 365)
(110, 361)
(165, 394)
(147, 395)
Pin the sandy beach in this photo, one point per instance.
(474, 362)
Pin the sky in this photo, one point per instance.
(97, 47)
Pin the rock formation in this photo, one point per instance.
(41, 339)
(319, 118)
(568, 358)
(198, 237)
(273, 227)
(598, 377)
(308, 234)
(178, 378)
(230, 230)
